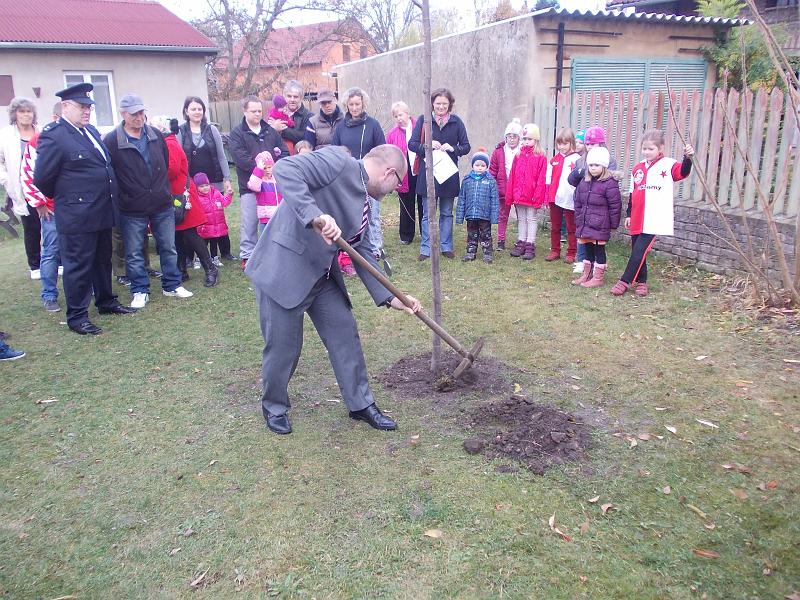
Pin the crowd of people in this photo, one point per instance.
(88, 203)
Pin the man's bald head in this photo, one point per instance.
(386, 166)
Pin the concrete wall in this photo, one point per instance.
(163, 79)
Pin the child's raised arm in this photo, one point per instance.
(256, 179)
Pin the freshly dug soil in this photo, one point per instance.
(536, 435)
(411, 377)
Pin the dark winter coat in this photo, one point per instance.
(244, 145)
(478, 199)
(598, 207)
(454, 133)
(359, 135)
(142, 191)
(297, 132)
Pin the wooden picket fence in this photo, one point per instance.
(764, 122)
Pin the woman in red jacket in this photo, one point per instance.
(187, 240)
(526, 190)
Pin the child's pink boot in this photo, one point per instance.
(587, 273)
(619, 288)
(641, 289)
(597, 277)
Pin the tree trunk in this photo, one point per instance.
(433, 221)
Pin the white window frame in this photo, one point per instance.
(87, 78)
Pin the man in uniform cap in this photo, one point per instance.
(74, 168)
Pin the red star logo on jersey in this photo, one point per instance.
(663, 173)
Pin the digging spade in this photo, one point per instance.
(468, 356)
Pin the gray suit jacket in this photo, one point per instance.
(291, 256)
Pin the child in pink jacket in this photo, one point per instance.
(215, 229)
(266, 188)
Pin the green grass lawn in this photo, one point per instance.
(137, 462)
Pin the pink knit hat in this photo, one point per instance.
(266, 156)
(595, 135)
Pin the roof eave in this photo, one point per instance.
(205, 51)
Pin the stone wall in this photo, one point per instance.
(693, 243)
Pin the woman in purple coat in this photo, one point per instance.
(598, 207)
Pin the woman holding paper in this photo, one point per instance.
(449, 142)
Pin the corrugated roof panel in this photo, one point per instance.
(630, 15)
(96, 22)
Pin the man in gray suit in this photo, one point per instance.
(294, 271)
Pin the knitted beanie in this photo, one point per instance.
(278, 101)
(598, 156)
(595, 135)
(480, 155)
(580, 135)
(513, 128)
(267, 156)
(200, 179)
(531, 130)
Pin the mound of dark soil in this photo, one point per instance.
(536, 435)
(411, 377)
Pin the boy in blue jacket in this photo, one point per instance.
(479, 203)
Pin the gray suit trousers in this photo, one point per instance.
(283, 340)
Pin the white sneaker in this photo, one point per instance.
(196, 263)
(180, 292)
(217, 262)
(577, 267)
(36, 274)
(139, 300)
(60, 270)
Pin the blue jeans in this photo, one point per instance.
(581, 256)
(162, 226)
(445, 226)
(50, 259)
(375, 231)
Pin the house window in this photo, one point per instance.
(362, 53)
(346, 52)
(6, 89)
(103, 94)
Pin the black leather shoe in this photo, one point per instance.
(279, 423)
(86, 328)
(373, 415)
(118, 309)
(212, 275)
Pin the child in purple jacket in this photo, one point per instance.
(598, 207)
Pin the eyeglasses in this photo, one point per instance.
(399, 181)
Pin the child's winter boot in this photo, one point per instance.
(620, 288)
(586, 275)
(530, 251)
(597, 277)
(518, 249)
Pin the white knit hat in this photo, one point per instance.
(513, 128)
(598, 156)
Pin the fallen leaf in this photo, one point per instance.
(552, 523)
(697, 511)
(644, 437)
(661, 408)
(47, 401)
(212, 463)
(701, 357)
(606, 507)
(739, 493)
(199, 579)
(707, 423)
(575, 377)
(174, 551)
(593, 500)
(667, 490)
(584, 578)
(585, 528)
(671, 429)
(188, 532)
(710, 525)
(633, 442)
(576, 387)
(793, 596)
(791, 361)
(705, 553)
(434, 533)
(737, 467)
(517, 388)
(743, 383)
(772, 484)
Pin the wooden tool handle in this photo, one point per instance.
(451, 341)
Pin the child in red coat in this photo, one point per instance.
(526, 190)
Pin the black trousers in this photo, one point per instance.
(188, 243)
(86, 258)
(479, 230)
(223, 243)
(637, 263)
(32, 228)
(410, 205)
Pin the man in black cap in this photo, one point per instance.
(74, 168)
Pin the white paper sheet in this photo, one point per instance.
(443, 167)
